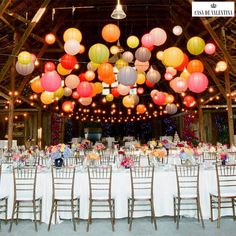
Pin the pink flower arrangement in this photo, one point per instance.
(127, 162)
(18, 157)
(99, 147)
(121, 152)
(223, 156)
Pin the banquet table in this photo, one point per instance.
(164, 188)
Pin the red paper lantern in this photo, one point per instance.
(75, 95)
(189, 101)
(82, 77)
(183, 64)
(49, 66)
(159, 98)
(68, 61)
(51, 81)
(115, 92)
(140, 90)
(149, 84)
(67, 106)
(197, 82)
(84, 89)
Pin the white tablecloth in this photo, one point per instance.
(164, 188)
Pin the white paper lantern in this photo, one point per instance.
(128, 56)
(143, 54)
(24, 69)
(67, 91)
(72, 47)
(171, 109)
(177, 30)
(72, 81)
(127, 76)
(153, 76)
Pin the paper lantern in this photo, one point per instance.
(84, 89)
(149, 84)
(36, 86)
(221, 66)
(197, 82)
(159, 55)
(109, 97)
(50, 38)
(72, 33)
(128, 101)
(140, 90)
(168, 76)
(98, 87)
(46, 97)
(195, 66)
(147, 40)
(127, 76)
(51, 81)
(105, 70)
(141, 66)
(123, 90)
(132, 41)
(153, 76)
(128, 56)
(24, 58)
(177, 30)
(170, 98)
(141, 109)
(159, 36)
(89, 75)
(110, 33)
(58, 94)
(121, 63)
(62, 71)
(189, 101)
(179, 85)
(153, 93)
(92, 66)
(143, 54)
(72, 47)
(24, 69)
(173, 57)
(114, 49)
(33, 57)
(210, 48)
(68, 61)
(159, 98)
(136, 99)
(171, 109)
(81, 49)
(85, 101)
(183, 64)
(99, 53)
(196, 45)
(72, 81)
(185, 74)
(109, 80)
(49, 66)
(141, 77)
(94, 91)
(67, 106)
(67, 91)
(171, 70)
(75, 95)
(115, 92)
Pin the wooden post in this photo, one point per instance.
(200, 123)
(229, 108)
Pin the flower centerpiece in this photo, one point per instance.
(19, 159)
(152, 144)
(186, 154)
(223, 157)
(92, 158)
(127, 162)
(158, 153)
(99, 147)
(144, 148)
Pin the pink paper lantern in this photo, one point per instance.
(179, 85)
(210, 48)
(197, 82)
(153, 93)
(85, 101)
(72, 81)
(123, 90)
(168, 76)
(159, 36)
(140, 90)
(51, 81)
(141, 66)
(85, 89)
(159, 98)
(147, 40)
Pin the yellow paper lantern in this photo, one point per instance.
(128, 101)
(59, 93)
(141, 77)
(109, 97)
(221, 66)
(24, 57)
(185, 74)
(196, 45)
(62, 71)
(159, 55)
(173, 56)
(132, 41)
(46, 97)
(121, 63)
(72, 33)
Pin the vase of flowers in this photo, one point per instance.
(223, 157)
(127, 162)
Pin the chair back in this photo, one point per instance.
(226, 179)
(100, 181)
(136, 160)
(71, 161)
(63, 180)
(187, 179)
(106, 160)
(231, 155)
(79, 158)
(142, 181)
(209, 156)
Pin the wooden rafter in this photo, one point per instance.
(7, 23)
(17, 16)
(4, 5)
(26, 34)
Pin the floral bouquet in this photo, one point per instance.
(144, 148)
(58, 151)
(92, 156)
(99, 147)
(165, 143)
(127, 162)
(78, 147)
(19, 157)
(159, 153)
(223, 157)
(86, 143)
(186, 153)
(152, 144)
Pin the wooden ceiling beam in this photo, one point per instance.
(23, 39)
(17, 16)
(7, 23)
(4, 95)
(4, 5)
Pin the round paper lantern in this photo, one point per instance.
(136, 99)
(197, 82)
(149, 84)
(168, 76)
(33, 57)
(159, 98)
(127, 76)
(170, 98)
(179, 85)
(92, 66)
(49, 66)
(171, 109)
(109, 97)
(24, 58)
(140, 90)
(159, 36)
(85, 89)
(50, 38)
(114, 49)
(68, 61)
(171, 70)
(185, 74)
(153, 76)
(72, 81)
(189, 101)
(36, 86)
(105, 70)
(46, 97)
(24, 69)
(159, 55)
(72, 47)
(72, 33)
(196, 45)
(141, 66)
(183, 64)
(111, 33)
(195, 66)
(81, 49)
(153, 93)
(58, 94)
(221, 66)
(141, 77)
(147, 40)
(62, 71)
(121, 63)
(128, 101)
(94, 91)
(128, 56)
(85, 101)
(173, 57)
(98, 53)
(89, 75)
(115, 92)
(132, 41)
(67, 91)
(75, 95)
(177, 30)
(143, 54)
(210, 48)
(141, 109)
(51, 81)
(67, 106)
(123, 90)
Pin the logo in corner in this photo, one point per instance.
(213, 5)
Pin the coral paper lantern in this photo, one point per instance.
(62, 71)
(140, 90)
(159, 98)
(179, 85)
(141, 66)
(68, 61)
(36, 86)
(109, 80)
(173, 57)
(50, 38)
(111, 33)
(159, 36)
(85, 101)
(99, 53)
(189, 101)
(51, 81)
(142, 54)
(196, 45)
(171, 109)
(75, 95)
(141, 109)
(46, 97)
(195, 66)
(85, 89)
(72, 81)
(105, 70)
(89, 75)
(147, 40)
(98, 87)
(81, 49)
(24, 69)
(123, 90)
(72, 47)
(67, 91)
(127, 76)
(132, 41)
(67, 106)
(72, 33)
(210, 48)
(197, 82)
(153, 76)
(49, 66)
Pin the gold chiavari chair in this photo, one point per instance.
(231, 156)
(100, 193)
(25, 195)
(210, 156)
(136, 160)
(80, 158)
(3, 201)
(63, 196)
(71, 161)
(187, 191)
(141, 192)
(225, 196)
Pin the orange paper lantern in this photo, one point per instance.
(195, 66)
(36, 86)
(110, 33)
